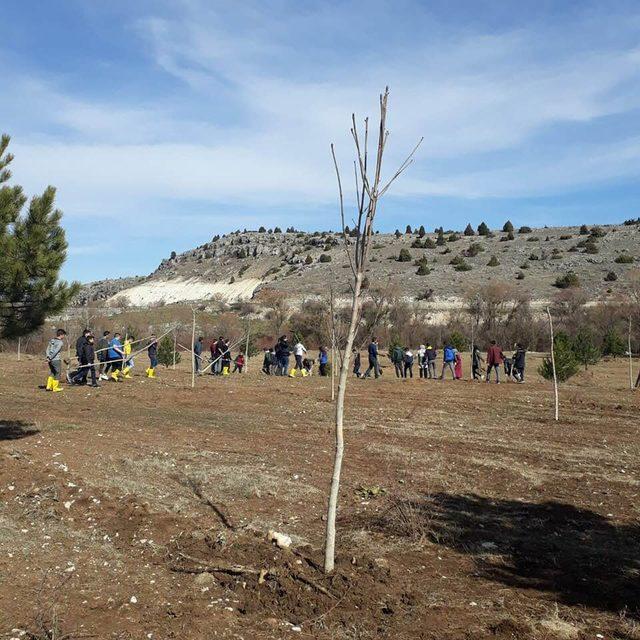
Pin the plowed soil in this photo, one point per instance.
(142, 509)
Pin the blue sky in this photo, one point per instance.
(164, 123)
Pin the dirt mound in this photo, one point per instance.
(290, 585)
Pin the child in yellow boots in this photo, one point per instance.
(152, 351)
(54, 360)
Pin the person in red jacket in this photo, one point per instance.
(238, 363)
(494, 360)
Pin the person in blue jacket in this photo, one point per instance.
(373, 359)
(323, 360)
(116, 356)
(448, 361)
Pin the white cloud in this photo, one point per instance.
(476, 98)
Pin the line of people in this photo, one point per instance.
(220, 358)
(277, 360)
(114, 358)
(403, 360)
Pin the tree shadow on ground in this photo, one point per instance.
(577, 554)
(16, 429)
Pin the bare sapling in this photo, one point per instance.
(369, 190)
(193, 344)
(553, 367)
(630, 357)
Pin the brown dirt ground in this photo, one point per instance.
(492, 521)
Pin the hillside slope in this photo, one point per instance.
(235, 267)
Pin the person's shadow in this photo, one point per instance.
(16, 429)
(580, 556)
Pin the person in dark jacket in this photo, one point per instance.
(267, 363)
(397, 358)
(407, 359)
(283, 353)
(225, 357)
(431, 355)
(103, 357)
(494, 360)
(213, 351)
(73, 377)
(476, 360)
(519, 358)
(152, 352)
(372, 350)
(357, 364)
(87, 359)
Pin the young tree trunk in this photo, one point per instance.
(330, 542)
(175, 340)
(368, 193)
(246, 349)
(472, 345)
(333, 347)
(630, 357)
(193, 353)
(553, 367)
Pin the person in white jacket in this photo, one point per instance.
(299, 351)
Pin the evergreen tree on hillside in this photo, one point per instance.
(468, 231)
(421, 231)
(408, 230)
(440, 241)
(165, 352)
(483, 229)
(585, 348)
(508, 227)
(33, 249)
(613, 344)
(566, 363)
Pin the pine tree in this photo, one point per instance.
(397, 233)
(440, 241)
(421, 231)
(468, 230)
(566, 363)
(165, 352)
(508, 227)
(408, 230)
(585, 349)
(33, 248)
(613, 344)
(483, 229)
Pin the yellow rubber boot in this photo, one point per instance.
(56, 386)
(125, 372)
(152, 373)
(292, 373)
(148, 372)
(225, 371)
(115, 374)
(50, 383)
(304, 373)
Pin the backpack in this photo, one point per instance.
(398, 354)
(448, 354)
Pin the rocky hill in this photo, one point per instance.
(439, 267)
